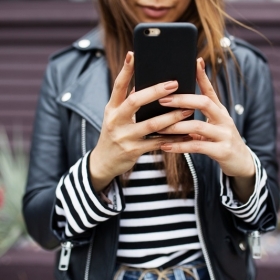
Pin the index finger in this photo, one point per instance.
(205, 85)
(122, 81)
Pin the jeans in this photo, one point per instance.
(201, 273)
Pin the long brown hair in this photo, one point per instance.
(118, 22)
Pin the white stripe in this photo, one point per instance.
(147, 174)
(61, 224)
(155, 236)
(137, 253)
(89, 210)
(162, 220)
(190, 259)
(150, 159)
(153, 189)
(76, 204)
(165, 259)
(252, 200)
(261, 200)
(259, 215)
(90, 192)
(68, 215)
(161, 204)
(254, 211)
(115, 193)
(59, 211)
(67, 231)
(161, 260)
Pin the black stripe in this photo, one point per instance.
(88, 199)
(148, 166)
(158, 244)
(139, 260)
(59, 218)
(151, 197)
(58, 203)
(72, 209)
(157, 212)
(157, 228)
(89, 218)
(179, 259)
(146, 182)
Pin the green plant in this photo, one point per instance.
(13, 173)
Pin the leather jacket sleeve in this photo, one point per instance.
(259, 133)
(48, 162)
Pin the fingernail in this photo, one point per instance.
(165, 100)
(202, 63)
(128, 58)
(166, 147)
(187, 113)
(171, 85)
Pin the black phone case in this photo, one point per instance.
(169, 56)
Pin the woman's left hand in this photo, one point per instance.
(218, 137)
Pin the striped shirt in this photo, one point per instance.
(157, 228)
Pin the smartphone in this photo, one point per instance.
(164, 52)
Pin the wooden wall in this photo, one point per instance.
(31, 30)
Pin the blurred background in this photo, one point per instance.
(29, 32)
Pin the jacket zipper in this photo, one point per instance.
(65, 254)
(67, 246)
(83, 137)
(84, 150)
(196, 207)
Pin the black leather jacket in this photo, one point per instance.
(68, 121)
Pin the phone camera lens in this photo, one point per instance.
(146, 31)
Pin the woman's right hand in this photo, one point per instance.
(122, 141)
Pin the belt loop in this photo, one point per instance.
(179, 274)
(119, 274)
(196, 273)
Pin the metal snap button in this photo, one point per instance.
(219, 60)
(225, 42)
(242, 246)
(84, 43)
(66, 96)
(239, 109)
(98, 54)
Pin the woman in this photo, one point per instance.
(126, 207)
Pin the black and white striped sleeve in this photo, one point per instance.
(78, 207)
(250, 212)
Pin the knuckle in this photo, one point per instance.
(131, 100)
(196, 146)
(117, 84)
(152, 125)
(199, 127)
(210, 89)
(179, 116)
(156, 90)
(205, 102)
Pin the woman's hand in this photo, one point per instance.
(122, 140)
(218, 137)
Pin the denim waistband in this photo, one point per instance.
(195, 270)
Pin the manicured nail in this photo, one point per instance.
(128, 57)
(202, 63)
(165, 99)
(166, 147)
(171, 85)
(187, 113)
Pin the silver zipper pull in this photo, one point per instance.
(65, 255)
(255, 237)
